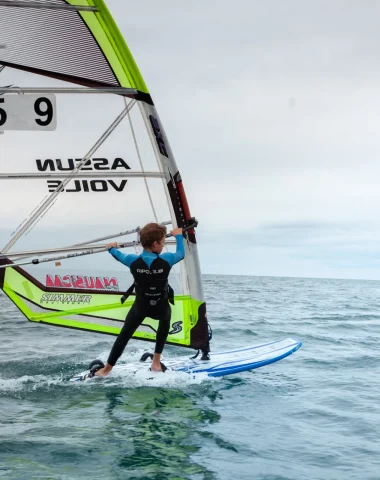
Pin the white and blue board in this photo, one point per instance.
(220, 363)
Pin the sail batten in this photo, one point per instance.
(46, 5)
(70, 90)
(80, 174)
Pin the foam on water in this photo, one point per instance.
(28, 383)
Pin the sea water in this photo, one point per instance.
(314, 415)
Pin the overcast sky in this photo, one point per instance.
(273, 113)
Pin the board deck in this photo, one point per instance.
(220, 363)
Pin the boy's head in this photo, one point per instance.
(152, 237)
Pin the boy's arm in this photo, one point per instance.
(180, 250)
(173, 258)
(122, 257)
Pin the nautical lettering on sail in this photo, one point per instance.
(87, 186)
(80, 185)
(65, 298)
(158, 134)
(82, 282)
(92, 164)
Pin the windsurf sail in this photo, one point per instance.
(84, 160)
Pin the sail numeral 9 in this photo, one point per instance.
(48, 111)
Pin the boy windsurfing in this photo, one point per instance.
(150, 271)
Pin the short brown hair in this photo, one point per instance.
(152, 232)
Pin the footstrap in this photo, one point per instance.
(145, 356)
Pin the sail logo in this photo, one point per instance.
(82, 282)
(93, 165)
(65, 298)
(140, 270)
(87, 186)
(176, 328)
(99, 164)
(158, 134)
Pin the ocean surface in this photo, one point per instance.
(314, 415)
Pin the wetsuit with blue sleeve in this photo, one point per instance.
(150, 272)
(148, 257)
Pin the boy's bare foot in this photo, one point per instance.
(158, 367)
(103, 372)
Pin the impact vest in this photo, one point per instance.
(150, 283)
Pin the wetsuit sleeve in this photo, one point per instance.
(173, 258)
(122, 257)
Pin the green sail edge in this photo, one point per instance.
(111, 41)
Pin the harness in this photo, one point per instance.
(150, 283)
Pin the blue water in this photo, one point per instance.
(314, 415)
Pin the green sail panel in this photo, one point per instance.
(108, 36)
(94, 311)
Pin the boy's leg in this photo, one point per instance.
(162, 335)
(133, 320)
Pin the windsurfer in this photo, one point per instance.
(150, 271)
